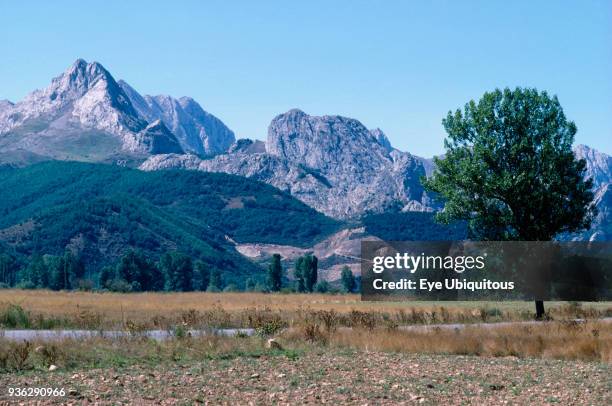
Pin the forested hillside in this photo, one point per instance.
(98, 213)
(412, 226)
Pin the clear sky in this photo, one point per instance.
(398, 65)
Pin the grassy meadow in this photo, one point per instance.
(202, 309)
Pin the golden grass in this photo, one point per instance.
(150, 310)
(589, 341)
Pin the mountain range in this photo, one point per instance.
(84, 114)
(334, 164)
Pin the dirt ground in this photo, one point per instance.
(323, 377)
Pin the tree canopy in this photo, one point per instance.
(509, 169)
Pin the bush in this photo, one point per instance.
(119, 285)
(14, 316)
(321, 287)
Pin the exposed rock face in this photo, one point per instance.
(157, 139)
(5, 104)
(331, 163)
(85, 114)
(602, 230)
(598, 164)
(197, 131)
(247, 146)
(382, 139)
(599, 168)
(84, 94)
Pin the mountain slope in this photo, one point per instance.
(84, 114)
(331, 163)
(102, 210)
(198, 132)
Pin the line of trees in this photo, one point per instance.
(306, 275)
(43, 271)
(174, 271)
(133, 273)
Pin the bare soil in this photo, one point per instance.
(330, 376)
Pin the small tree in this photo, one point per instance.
(348, 279)
(8, 270)
(201, 276)
(73, 270)
(56, 269)
(509, 170)
(178, 271)
(275, 274)
(298, 274)
(216, 281)
(106, 276)
(306, 273)
(311, 272)
(321, 287)
(36, 273)
(140, 273)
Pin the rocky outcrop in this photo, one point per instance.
(598, 168)
(157, 139)
(247, 146)
(198, 132)
(598, 165)
(331, 163)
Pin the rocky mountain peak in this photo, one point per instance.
(331, 163)
(247, 146)
(84, 95)
(328, 143)
(381, 138)
(196, 130)
(86, 101)
(599, 164)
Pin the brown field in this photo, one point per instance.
(327, 376)
(540, 364)
(232, 309)
(331, 349)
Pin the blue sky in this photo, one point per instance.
(397, 65)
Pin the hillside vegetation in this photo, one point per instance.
(412, 226)
(99, 212)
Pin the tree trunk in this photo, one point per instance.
(539, 309)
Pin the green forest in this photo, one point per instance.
(85, 218)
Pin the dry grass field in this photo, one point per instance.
(330, 349)
(83, 309)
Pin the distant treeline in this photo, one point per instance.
(174, 271)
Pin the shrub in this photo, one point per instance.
(321, 287)
(14, 316)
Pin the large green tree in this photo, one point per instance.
(509, 170)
